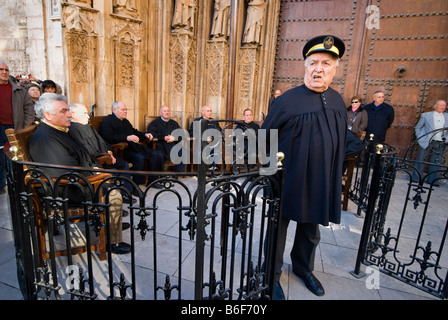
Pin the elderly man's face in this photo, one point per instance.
(165, 112)
(207, 112)
(80, 114)
(378, 98)
(4, 73)
(440, 106)
(61, 116)
(320, 69)
(121, 111)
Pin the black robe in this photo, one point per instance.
(312, 130)
(94, 143)
(160, 128)
(49, 145)
(114, 130)
(87, 136)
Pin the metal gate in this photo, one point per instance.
(406, 218)
(203, 235)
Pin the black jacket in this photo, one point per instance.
(379, 120)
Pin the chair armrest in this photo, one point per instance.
(117, 148)
(103, 158)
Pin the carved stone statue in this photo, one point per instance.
(221, 17)
(183, 18)
(254, 21)
(126, 7)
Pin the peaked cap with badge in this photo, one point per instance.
(324, 43)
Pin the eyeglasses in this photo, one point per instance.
(355, 101)
(3, 69)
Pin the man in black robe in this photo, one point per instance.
(250, 135)
(86, 135)
(162, 129)
(52, 144)
(312, 126)
(215, 131)
(116, 128)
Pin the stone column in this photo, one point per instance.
(217, 70)
(183, 67)
(79, 26)
(247, 78)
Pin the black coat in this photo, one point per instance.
(379, 120)
(160, 128)
(49, 145)
(312, 129)
(87, 136)
(114, 130)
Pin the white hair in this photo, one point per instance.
(45, 104)
(337, 60)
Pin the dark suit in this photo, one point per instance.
(88, 137)
(114, 130)
(196, 149)
(379, 119)
(160, 128)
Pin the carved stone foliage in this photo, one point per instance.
(126, 51)
(248, 67)
(126, 63)
(80, 42)
(183, 57)
(217, 52)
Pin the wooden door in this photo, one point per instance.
(403, 52)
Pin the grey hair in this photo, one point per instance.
(3, 62)
(437, 101)
(45, 104)
(73, 106)
(378, 91)
(337, 60)
(115, 106)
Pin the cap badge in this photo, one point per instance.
(328, 42)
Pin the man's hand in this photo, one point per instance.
(112, 157)
(149, 136)
(169, 139)
(133, 138)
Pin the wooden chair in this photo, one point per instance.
(117, 148)
(20, 139)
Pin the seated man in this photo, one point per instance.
(84, 134)
(207, 115)
(161, 129)
(52, 144)
(116, 128)
(250, 132)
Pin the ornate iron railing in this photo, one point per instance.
(202, 235)
(409, 244)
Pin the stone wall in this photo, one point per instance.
(179, 53)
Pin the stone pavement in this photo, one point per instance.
(335, 259)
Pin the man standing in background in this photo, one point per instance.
(380, 117)
(16, 111)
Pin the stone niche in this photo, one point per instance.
(81, 41)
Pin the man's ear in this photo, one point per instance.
(47, 116)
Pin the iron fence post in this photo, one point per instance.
(373, 196)
(367, 163)
(20, 224)
(272, 249)
(201, 236)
